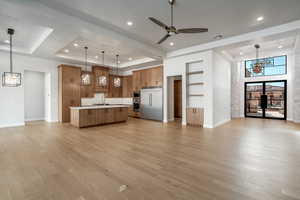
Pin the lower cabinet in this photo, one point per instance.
(131, 113)
(195, 116)
(92, 117)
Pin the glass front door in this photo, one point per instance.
(265, 99)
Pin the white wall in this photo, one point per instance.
(222, 90)
(176, 66)
(239, 79)
(34, 95)
(12, 99)
(296, 84)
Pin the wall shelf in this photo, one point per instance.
(196, 95)
(195, 72)
(199, 83)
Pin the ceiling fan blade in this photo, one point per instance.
(192, 30)
(159, 23)
(163, 39)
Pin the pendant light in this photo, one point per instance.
(103, 52)
(102, 80)
(11, 79)
(85, 76)
(258, 66)
(117, 79)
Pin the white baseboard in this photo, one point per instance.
(52, 121)
(207, 126)
(222, 122)
(35, 119)
(12, 125)
(217, 124)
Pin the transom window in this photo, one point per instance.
(272, 66)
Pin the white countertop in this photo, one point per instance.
(99, 107)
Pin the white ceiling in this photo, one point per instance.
(46, 27)
(226, 17)
(95, 46)
(27, 36)
(279, 43)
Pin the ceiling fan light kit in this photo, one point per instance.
(11, 79)
(171, 30)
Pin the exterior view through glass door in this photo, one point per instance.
(265, 99)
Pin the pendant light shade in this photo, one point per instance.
(11, 79)
(85, 76)
(102, 80)
(258, 66)
(117, 79)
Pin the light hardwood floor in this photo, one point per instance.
(245, 159)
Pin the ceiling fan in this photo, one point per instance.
(171, 30)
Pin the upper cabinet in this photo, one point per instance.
(113, 91)
(101, 79)
(127, 86)
(136, 80)
(152, 77)
(87, 91)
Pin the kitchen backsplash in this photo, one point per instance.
(99, 98)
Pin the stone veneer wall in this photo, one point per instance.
(296, 114)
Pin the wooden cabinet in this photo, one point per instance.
(157, 76)
(69, 90)
(100, 71)
(109, 115)
(89, 117)
(195, 116)
(152, 77)
(87, 91)
(120, 114)
(98, 116)
(127, 87)
(131, 113)
(114, 92)
(136, 81)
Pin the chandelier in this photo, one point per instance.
(85, 76)
(11, 79)
(259, 64)
(117, 79)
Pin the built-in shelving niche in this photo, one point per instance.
(195, 93)
(195, 84)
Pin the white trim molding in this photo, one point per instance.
(12, 125)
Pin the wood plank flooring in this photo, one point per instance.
(245, 159)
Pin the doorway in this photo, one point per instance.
(35, 96)
(177, 99)
(266, 99)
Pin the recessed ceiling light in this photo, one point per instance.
(66, 51)
(129, 23)
(130, 59)
(76, 45)
(241, 53)
(96, 57)
(261, 18)
(6, 41)
(171, 43)
(280, 47)
(119, 62)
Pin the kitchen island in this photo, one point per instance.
(86, 116)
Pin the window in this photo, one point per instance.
(272, 66)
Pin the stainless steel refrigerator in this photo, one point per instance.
(152, 104)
